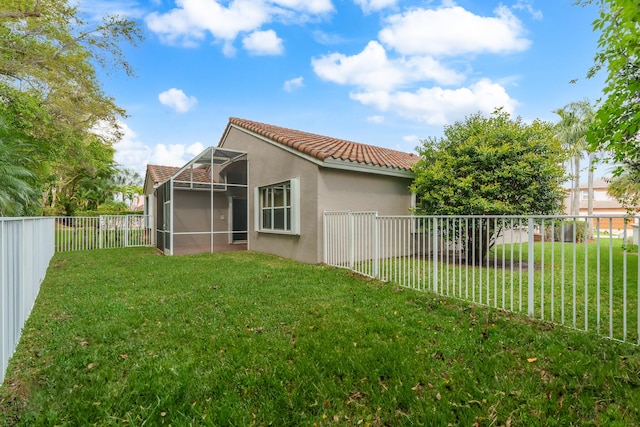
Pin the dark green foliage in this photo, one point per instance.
(617, 122)
(52, 100)
(493, 165)
(18, 195)
(626, 189)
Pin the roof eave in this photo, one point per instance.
(367, 168)
(328, 162)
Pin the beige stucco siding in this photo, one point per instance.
(270, 164)
(356, 191)
(321, 189)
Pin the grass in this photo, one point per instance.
(570, 288)
(128, 337)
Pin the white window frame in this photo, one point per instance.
(584, 195)
(292, 202)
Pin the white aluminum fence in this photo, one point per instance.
(573, 271)
(82, 233)
(26, 247)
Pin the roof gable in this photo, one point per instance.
(326, 148)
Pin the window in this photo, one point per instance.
(277, 207)
(584, 195)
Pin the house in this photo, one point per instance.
(266, 188)
(603, 204)
(137, 204)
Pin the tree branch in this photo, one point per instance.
(20, 15)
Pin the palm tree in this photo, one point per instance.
(128, 184)
(17, 193)
(575, 119)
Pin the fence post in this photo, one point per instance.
(325, 239)
(126, 231)
(434, 252)
(531, 270)
(100, 231)
(352, 238)
(376, 246)
(4, 316)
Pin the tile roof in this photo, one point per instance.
(160, 174)
(324, 147)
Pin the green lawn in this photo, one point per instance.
(570, 286)
(129, 337)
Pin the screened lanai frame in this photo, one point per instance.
(203, 207)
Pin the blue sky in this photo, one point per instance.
(380, 72)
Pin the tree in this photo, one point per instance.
(128, 184)
(626, 189)
(50, 95)
(493, 165)
(617, 122)
(48, 54)
(82, 180)
(17, 194)
(571, 130)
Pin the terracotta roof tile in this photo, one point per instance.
(160, 174)
(324, 147)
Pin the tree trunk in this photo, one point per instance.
(54, 196)
(477, 243)
(575, 209)
(45, 198)
(590, 194)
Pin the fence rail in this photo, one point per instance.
(26, 247)
(572, 271)
(101, 232)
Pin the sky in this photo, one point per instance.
(382, 72)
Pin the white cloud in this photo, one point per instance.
(190, 22)
(293, 84)
(309, 6)
(373, 70)
(132, 153)
(375, 5)
(193, 18)
(420, 64)
(411, 138)
(97, 9)
(178, 100)
(452, 30)
(324, 38)
(437, 106)
(527, 6)
(175, 154)
(263, 43)
(375, 119)
(228, 49)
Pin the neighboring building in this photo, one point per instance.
(137, 204)
(603, 204)
(265, 188)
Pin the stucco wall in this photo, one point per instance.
(355, 191)
(269, 164)
(321, 189)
